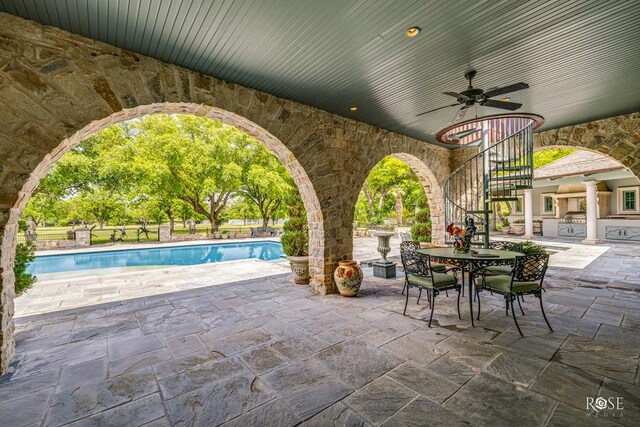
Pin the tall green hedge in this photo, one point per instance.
(295, 236)
(25, 253)
(421, 230)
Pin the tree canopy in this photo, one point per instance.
(391, 191)
(162, 167)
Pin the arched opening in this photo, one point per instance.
(400, 194)
(273, 144)
(569, 183)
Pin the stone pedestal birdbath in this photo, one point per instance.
(383, 267)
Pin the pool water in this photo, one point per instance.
(164, 256)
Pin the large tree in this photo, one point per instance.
(265, 182)
(386, 188)
(191, 159)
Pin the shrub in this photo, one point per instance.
(421, 230)
(25, 253)
(529, 247)
(295, 236)
(423, 216)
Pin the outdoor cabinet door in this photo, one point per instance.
(572, 230)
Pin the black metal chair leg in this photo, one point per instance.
(519, 305)
(458, 303)
(433, 307)
(404, 313)
(506, 304)
(404, 287)
(513, 313)
(419, 295)
(543, 313)
(477, 294)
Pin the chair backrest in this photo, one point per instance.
(413, 261)
(530, 268)
(405, 236)
(503, 245)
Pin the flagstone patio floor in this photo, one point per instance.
(266, 352)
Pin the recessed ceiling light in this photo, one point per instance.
(413, 31)
(507, 99)
(353, 108)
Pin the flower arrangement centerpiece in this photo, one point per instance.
(462, 236)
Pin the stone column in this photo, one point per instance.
(592, 212)
(528, 213)
(83, 238)
(164, 233)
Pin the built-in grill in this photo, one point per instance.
(574, 217)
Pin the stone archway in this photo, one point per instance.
(273, 144)
(430, 184)
(432, 189)
(615, 137)
(538, 148)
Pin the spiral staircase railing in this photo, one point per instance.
(498, 173)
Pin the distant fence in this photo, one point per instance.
(45, 236)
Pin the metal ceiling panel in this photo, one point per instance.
(580, 57)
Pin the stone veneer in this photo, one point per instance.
(56, 89)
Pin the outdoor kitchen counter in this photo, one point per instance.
(608, 228)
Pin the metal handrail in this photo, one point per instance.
(468, 189)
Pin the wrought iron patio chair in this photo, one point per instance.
(501, 245)
(526, 278)
(405, 236)
(420, 273)
(412, 245)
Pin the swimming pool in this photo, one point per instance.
(163, 256)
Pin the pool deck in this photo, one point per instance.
(267, 352)
(61, 291)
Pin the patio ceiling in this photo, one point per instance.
(581, 58)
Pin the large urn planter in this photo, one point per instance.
(517, 229)
(348, 278)
(300, 269)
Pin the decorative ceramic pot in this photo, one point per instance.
(300, 268)
(348, 278)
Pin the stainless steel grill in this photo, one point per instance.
(574, 217)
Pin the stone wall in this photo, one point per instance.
(56, 89)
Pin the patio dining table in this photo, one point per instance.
(471, 263)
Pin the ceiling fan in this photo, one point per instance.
(471, 96)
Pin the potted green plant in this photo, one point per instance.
(506, 228)
(295, 240)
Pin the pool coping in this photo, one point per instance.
(133, 246)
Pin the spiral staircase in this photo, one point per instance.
(498, 173)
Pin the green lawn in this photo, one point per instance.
(103, 236)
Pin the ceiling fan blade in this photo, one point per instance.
(456, 95)
(435, 109)
(460, 114)
(506, 89)
(511, 106)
